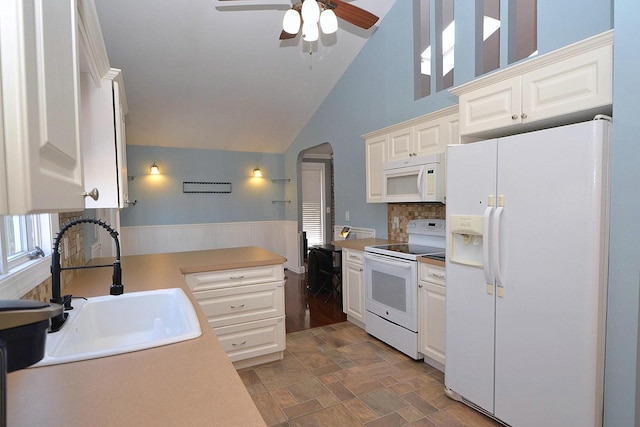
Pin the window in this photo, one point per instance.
(313, 202)
(20, 271)
(443, 24)
(22, 234)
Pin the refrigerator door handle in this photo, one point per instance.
(496, 250)
(486, 248)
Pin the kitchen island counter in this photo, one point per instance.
(187, 383)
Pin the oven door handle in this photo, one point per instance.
(387, 261)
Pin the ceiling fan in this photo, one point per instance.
(305, 15)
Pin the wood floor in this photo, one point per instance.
(303, 310)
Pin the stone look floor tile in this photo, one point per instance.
(383, 401)
(338, 375)
(336, 415)
(391, 420)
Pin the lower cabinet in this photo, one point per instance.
(245, 308)
(353, 292)
(431, 314)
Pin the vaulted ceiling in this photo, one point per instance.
(213, 74)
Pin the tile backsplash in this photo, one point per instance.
(405, 212)
(75, 238)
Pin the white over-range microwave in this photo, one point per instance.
(414, 180)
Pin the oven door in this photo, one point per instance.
(392, 290)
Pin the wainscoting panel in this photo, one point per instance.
(280, 237)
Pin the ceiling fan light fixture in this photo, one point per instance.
(328, 21)
(310, 31)
(310, 11)
(291, 21)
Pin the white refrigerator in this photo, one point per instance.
(527, 259)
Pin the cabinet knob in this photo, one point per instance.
(94, 194)
(514, 117)
(523, 115)
(420, 285)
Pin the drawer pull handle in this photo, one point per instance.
(236, 306)
(236, 345)
(236, 277)
(439, 276)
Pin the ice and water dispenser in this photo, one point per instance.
(466, 239)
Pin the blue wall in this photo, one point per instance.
(621, 375)
(161, 200)
(377, 90)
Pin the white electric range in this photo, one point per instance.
(391, 284)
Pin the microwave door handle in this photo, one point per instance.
(421, 182)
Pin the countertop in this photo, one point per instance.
(431, 261)
(359, 244)
(187, 383)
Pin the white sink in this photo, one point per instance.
(109, 325)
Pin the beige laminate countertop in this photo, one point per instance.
(431, 261)
(359, 244)
(188, 383)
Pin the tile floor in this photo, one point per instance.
(338, 375)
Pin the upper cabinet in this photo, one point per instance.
(103, 140)
(429, 134)
(40, 104)
(569, 84)
(376, 154)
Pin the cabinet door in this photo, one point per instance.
(429, 137)
(121, 146)
(574, 84)
(401, 145)
(99, 141)
(375, 156)
(39, 62)
(431, 332)
(491, 107)
(354, 292)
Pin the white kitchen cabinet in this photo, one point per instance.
(40, 106)
(426, 135)
(431, 314)
(407, 142)
(376, 156)
(353, 292)
(570, 84)
(245, 308)
(103, 140)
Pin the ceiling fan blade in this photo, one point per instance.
(354, 14)
(286, 36)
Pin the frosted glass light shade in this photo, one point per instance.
(310, 31)
(291, 22)
(310, 11)
(328, 22)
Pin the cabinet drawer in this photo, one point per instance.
(240, 276)
(240, 304)
(351, 255)
(252, 339)
(431, 273)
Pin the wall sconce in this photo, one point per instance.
(257, 173)
(154, 170)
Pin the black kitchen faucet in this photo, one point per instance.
(116, 287)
